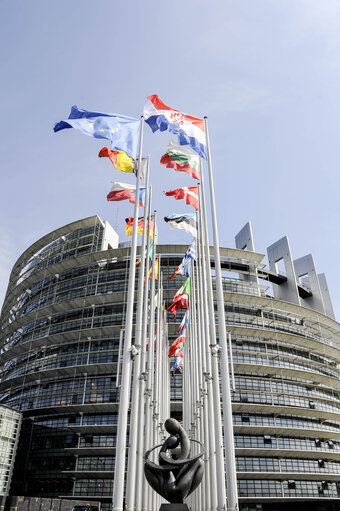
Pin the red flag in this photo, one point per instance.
(181, 302)
(176, 344)
(189, 193)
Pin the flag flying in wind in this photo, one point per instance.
(178, 364)
(122, 191)
(181, 298)
(122, 131)
(177, 344)
(156, 270)
(186, 221)
(122, 162)
(189, 193)
(185, 267)
(189, 130)
(184, 323)
(150, 254)
(181, 159)
(129, 226)
(185, 289)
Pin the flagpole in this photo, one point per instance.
(118, 484)
(135, 410)
(230, 465)
(217, 477)
(150, 368)
(203, 317)
(141, 444)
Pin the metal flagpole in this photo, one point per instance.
(230, 465)
(141, 444)
(203, 316)
(135, 410)
(195, 375)
(158, 362)
(118, 484)
(150, 365)
(217, 477)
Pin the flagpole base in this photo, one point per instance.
(174, 507)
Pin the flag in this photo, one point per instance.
(156, 270)
(186, 221)
(189, 193)
(122, 191)
(121, 161)
(129, 225)
(182, 302)
(177, 344)
(184, 323)
(185, 289)
(122, 131)
(189, 130)
(143, 168)
(178, 364)
(150, 253)
(181, 298)
(185, 267)
(181, 159)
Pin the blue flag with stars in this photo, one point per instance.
(122, 131)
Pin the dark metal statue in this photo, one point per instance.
(177, 475)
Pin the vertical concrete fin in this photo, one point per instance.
(244, 239)
(305, 272)
(326, 296)
(280, 250)
(110, 237)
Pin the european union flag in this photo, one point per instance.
(122, 131)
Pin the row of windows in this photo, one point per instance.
(280, 400)
(50, 355)
(64, 361)
(272, 442)
(73, 420)
(283, 387)
(98, 487)
(71, 440)
(247, 488)
(243, 358)
(265, 464)
(284, 421)
(272, 488)
(47, 255)
(86, 287)
(262, 347)
(64, 399)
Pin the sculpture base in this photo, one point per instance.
(174, 507)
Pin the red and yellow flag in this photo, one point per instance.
(129, 226)
(120, 160)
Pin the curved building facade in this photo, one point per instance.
(61, 322)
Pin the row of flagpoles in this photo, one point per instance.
(145, 385)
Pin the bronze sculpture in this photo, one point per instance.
(177, 475)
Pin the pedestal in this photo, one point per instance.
(174, 507)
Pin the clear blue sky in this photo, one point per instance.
(267, 75)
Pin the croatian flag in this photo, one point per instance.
(122, 191)
(189, 130)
